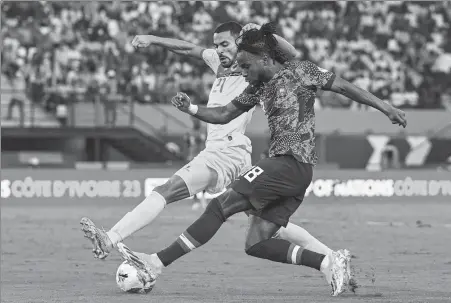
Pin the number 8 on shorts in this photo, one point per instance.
(253, 173)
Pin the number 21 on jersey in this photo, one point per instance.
(220, 85)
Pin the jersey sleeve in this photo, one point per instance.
(314, 75)
(247, 99)
(211, 58)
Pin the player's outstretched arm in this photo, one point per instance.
(213, 115)
(362, 96)
(175, 45)
(218, 115)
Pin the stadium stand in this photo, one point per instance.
(21, 112)
(80, 70)
(401, 51)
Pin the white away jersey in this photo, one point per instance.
(229, 84)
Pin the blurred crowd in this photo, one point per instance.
(400, 51)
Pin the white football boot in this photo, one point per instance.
(149, 267)
(338, 273)
(352, 281)
(101, 243)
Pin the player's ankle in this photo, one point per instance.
(325, 265)
(155, 260)
(114, 237)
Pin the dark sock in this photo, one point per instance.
(199, 233)
(279, 250)
(311, 259)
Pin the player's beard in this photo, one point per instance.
(226, 62)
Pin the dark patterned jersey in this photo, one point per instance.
(288, 102)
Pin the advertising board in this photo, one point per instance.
(70, 185)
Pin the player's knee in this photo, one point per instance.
(215, 208)
(253, 239)
(248, 244)
(252, 249)
(175, 189)
(165, 192)
(259, 231)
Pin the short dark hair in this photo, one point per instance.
(260, 41)
(233, 27)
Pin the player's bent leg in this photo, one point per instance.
(298, 235)
(261, 244)
(204, 228)
(199, 233)
(143, 214)
(192, 178)
(175, 189)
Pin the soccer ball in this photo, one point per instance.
(128, 279)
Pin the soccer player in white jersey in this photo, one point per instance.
(227, 153)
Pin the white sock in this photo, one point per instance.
(299, 236)
(142, 215)
(157, 261)
(324, 265)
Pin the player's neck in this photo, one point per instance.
(272, 71)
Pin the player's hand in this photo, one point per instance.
(397, 116)
(248, 27)
(141, 41)
(181, 101)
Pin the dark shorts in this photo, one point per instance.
(275, 187)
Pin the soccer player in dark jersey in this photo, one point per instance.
(275, 187)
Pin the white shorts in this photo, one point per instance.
(215, 168)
